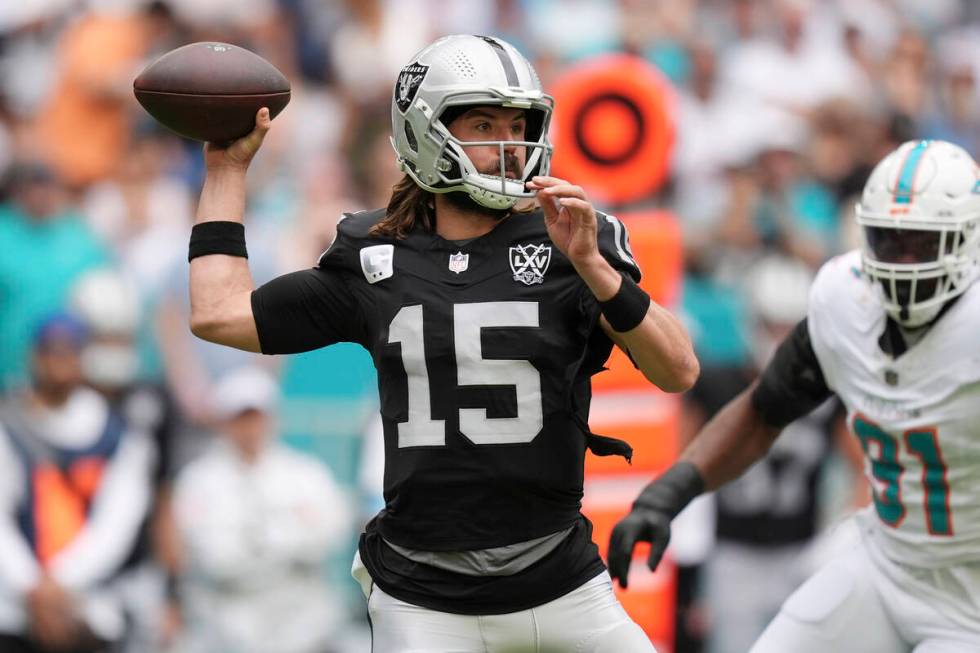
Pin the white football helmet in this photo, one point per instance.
(465, 70)
(920, 219)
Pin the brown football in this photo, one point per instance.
(211, 91)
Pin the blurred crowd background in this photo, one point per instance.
(782, 108)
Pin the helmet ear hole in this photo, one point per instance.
(451, 156)
(413, 142)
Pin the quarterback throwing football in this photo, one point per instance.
(892, 329)
(486, 317)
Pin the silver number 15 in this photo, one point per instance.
(471, 369)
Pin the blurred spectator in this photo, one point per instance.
(905, 76)
(238, 17)
(803, 64)
(841, 135)
(109, 307)
(28, 68)
(787, 210)
(46, 245)
(74, 489)
(257, 521)
(82, 129)
(956, 115)
(659, 31)
(143, 211)
(6, 152)
(572, 29)
(712, 138)
(369, 49)
(312, 24)
(374, 43)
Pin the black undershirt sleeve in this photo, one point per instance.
(792, 384)
(305, 310)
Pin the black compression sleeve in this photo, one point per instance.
(305, 310)
(792, 384)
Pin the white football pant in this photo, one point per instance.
(861, 602)
(588, 619)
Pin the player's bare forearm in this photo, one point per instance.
(221, 285)
(659, 345)
(662, 349)
(223, 194)
(730, 442)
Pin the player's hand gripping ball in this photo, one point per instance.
(211, 91)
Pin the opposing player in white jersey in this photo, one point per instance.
(894, 331)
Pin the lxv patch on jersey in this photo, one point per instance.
(377, 262)
(530, 262)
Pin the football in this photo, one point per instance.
(211, 91)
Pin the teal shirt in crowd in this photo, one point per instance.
(718, 320)
(39, 262)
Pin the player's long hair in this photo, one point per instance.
(410, 202)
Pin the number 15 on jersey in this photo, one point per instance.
(472, 369)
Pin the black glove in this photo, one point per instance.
(649, 520)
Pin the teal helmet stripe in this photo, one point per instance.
(906, 178)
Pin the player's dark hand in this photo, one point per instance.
(649, 520)
(640, 525)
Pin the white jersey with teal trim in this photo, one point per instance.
(917, 416)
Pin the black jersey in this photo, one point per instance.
(484, 352)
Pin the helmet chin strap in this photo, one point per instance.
(931, 315)
(461, 200)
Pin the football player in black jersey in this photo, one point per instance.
(486, 316)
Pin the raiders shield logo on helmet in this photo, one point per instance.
(409, 80)
(529, 263)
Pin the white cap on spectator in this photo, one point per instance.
(107, 302)
(779, 288)
(247, 388)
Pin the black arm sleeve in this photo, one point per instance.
(792, 384)
(305, 310)
(614, 244)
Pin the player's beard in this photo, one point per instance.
(462, 201)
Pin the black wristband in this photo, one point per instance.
(672, 490)
(217, 237)
(626, 309)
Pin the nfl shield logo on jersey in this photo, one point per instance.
(458, 262)
(529, 263)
